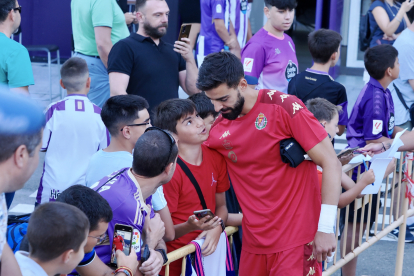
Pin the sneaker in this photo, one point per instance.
(394, 235)
(411, 227)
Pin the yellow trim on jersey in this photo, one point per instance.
(140, 198)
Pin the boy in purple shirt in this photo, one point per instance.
(372, 121)
(129, 191)
(269, 58)
(216, 31)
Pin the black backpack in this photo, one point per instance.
(365, 34)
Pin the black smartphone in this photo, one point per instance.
(347, 151)
(122, 240)
(202, 213)
(184, 31)
(146, 254)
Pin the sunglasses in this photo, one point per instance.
(172, 140)
(19, 8)
(100, 239)
(143, 124)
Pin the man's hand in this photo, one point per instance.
(375, 148)
(153, 265)
(183, 47)
(154, 230)
(324, 245)
(211, 241)
(234, 47)
(130, 17)
(202, 224)
(346, 158)
(368, 177)
(128, 261)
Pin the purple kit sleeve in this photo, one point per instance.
(218, 8)
(343, 117)
(253, 58)
(374, 117)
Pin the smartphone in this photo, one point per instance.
(184, 31)
(146, 254)
(202, 213)
(122, 240)
(347, 151)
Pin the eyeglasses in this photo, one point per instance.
(172, 140)
(19, 8)
(101, 238)
(143, 124)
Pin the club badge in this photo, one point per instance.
(261, 121)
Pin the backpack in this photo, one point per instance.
(365, 34)
(16, 230)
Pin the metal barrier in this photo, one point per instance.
(359, 203)
(400, 219)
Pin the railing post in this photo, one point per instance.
(401, 234)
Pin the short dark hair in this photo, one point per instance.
(95, 207)
(151, 153)
(121, 110)
(10, 143)
(169, 112)
(322, 109)
(54, 228)
(219, 68)
(203, 105)
(322, 44)
(74, 74)
(5, 7)
(281, 4)
(140, 3)
(378, 59)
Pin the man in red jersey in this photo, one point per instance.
(281, 205)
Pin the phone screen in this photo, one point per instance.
(122, 241)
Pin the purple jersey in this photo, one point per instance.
(239, 15)
(269, 61)
(209, 41)
(372, 115)
(123, 194)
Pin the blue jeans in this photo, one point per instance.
(99, 92)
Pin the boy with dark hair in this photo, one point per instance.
(180, 117)
(57, 234)
(205, 109)
(74, 132)
(269, 58)
(372, 119)
(99, 214)
(281, 233)
(128, 192)
(324, 46)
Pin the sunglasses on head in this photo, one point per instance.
(171, 138)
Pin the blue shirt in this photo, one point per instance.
(378, 33)
(372, 116)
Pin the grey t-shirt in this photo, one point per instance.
(405, 46)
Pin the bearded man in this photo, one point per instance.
(143, 64)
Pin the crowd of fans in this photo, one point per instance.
(112, 145)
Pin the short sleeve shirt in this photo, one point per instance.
(3, 222)
(313, 84)
(123, 194)
(372, 116)
(88, 14)
(269, 62)
(15, 65)
(182, 198)
(156, 83)
(280, 204)
(405, 45)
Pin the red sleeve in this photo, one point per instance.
(223, 182)
(172, 190)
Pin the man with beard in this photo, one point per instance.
(281, 205)
(15, 67)
(143, 64)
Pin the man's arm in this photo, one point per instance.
(9, 265)
(168, 223)
(228, 39)
(153, 265)
(103, 43)
(341, 130)
(188, 77)
(118, 83)
(323, 154)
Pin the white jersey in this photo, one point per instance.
(239, 16)
(74, 131)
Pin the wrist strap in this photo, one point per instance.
(327, 218)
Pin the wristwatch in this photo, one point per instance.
(163, 254)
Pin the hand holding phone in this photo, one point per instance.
(121, 241)
(203, 213)
(347, 152)
(184, 31)
(205, 223)
(128, 261)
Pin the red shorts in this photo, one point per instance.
(296, 261)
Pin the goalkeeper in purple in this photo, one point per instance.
(128, 192)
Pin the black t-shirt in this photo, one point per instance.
(153, 70)
(314, 84)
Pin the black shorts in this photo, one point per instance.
(190, 11)
(358, 213)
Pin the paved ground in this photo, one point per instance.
(376, 261)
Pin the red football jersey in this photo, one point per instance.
(183, 200)
(280, 204)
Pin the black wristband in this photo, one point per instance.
(163, 254)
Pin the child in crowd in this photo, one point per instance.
(74, 131)
(57, 234)
(324, 46)
(180, 117)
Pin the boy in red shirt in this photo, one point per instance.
(208, 168)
